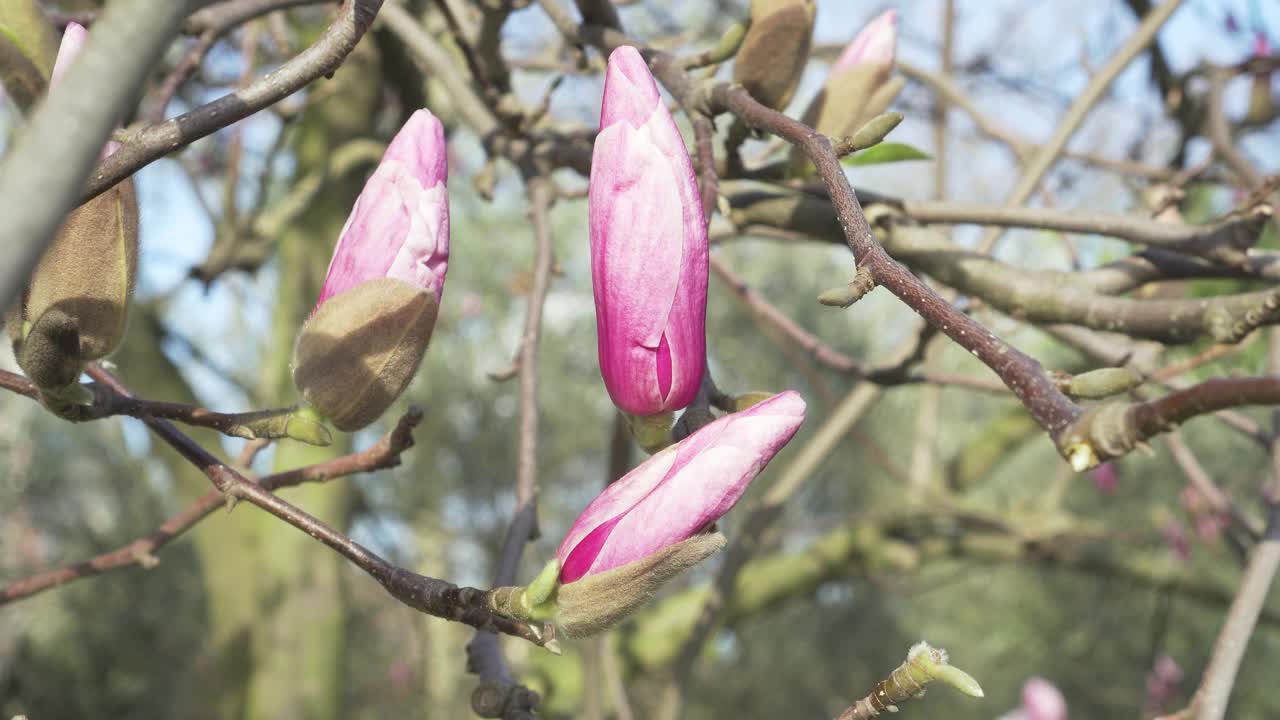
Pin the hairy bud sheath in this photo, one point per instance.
(652, 524)
(648, 247)
(75, 307)
(367, 335)
(776, 49)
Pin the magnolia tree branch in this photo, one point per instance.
(321, 58)
(1211, 698)
(383, 454)
(257, 424)
(425, 594)
(41, 177)
(499, 695)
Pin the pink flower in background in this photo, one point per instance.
(680, 491)
(1042, 700)
(1162, 684)
(874, 45)
(399, 226)
(648, 247)
(1175, 536)
(1105, 478)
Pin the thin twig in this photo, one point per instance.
(1047, 154)
(321, 58)
(500, 691)
(429, 595)
(383, 454)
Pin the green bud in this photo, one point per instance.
(849, 101)
(776, 49)
(747, 399)
(360, 349)
(872, 133)
(651, 432)
(598, 602)
(1098, 384)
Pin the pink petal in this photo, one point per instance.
(680, 491)
(72, 40)
(875, 44)
(648, 247)
(399, 226)
(1042, 700)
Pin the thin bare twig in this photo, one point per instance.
(499, 694)
(383, 454)
(1047, 154)
(429, 595)
(320, 59)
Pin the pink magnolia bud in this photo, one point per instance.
(1042, 700)
(680, 491)
(367, 335)
(648, 247)
(399, 227)
(875, 45)
(72, 40)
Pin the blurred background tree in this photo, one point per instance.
(939, 512)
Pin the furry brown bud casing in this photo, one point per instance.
(776, 49)
(77, 302)
(360, 349)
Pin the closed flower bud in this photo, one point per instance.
(653, 523)
(776, 49)
(679, 492)
(860, 86)
(1042, 700)
(84, 280)
(365, 339)
(648, 247)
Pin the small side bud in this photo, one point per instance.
(597, 602)
(748, 399)
(651, 432)
(361, 348)
(870, 134)
(776, 49)
(1098, 384)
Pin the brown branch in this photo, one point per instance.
(383, 454)
(1037, 296)
(265, 424)
(1224, 241)
(428, 595)
(499, 695)
(1113, 429)
(321, 58)
(815, 347)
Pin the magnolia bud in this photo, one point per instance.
(648, 247)
(361, 348)
(860, 85)
(776, 49)
(598, 602)
(76, 305)
(366, 337)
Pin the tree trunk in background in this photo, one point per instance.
(275, 603)
(298, 636)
